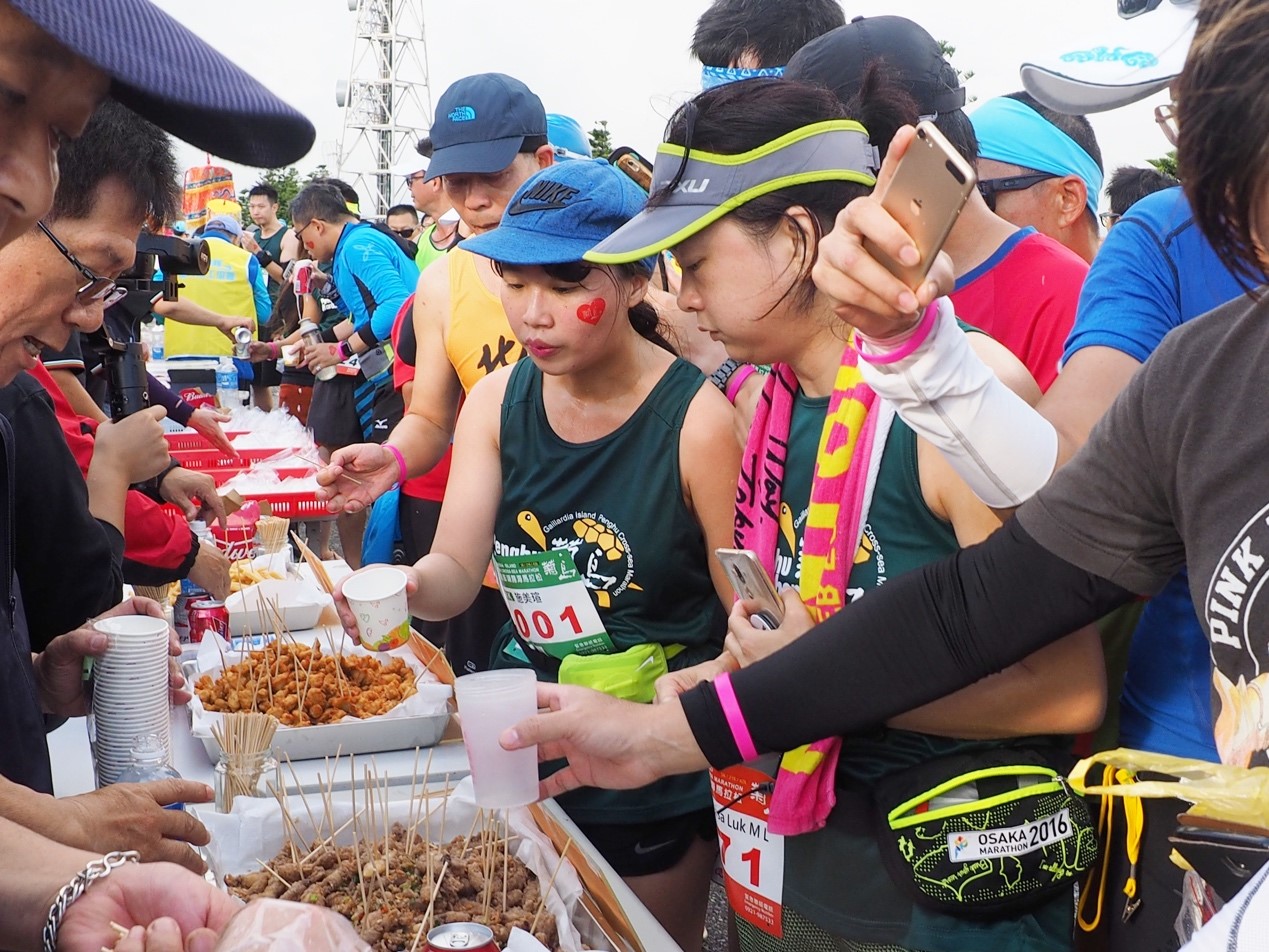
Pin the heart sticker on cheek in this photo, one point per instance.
(592, 311)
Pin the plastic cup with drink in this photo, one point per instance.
(489, 702)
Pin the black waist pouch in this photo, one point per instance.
(983, 834)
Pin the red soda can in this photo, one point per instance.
(302, 276)
(469, 936)
(208, 615)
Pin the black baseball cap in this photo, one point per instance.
(481, 122)
(165, 73)
(839, 58)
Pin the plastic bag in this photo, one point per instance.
(271, 925)
(1222, 791)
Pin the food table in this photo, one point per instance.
(73, 774)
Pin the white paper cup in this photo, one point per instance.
(488, 703)
(377, 597)
(130, 690)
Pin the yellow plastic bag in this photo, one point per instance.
(1221, 791)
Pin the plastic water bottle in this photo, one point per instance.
(149, 762)
(157, 349)
(227, 384)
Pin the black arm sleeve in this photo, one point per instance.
(367, 335)
(177, 409)
(921, 637)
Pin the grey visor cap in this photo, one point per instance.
(712, 185)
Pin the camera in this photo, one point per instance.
(115, 342)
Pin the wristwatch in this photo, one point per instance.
(343, 350)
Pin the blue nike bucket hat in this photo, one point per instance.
(561, 213)
(481, 122)
(166, 74)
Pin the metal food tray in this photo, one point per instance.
(348, 736)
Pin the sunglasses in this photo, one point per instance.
(414, 177)
(98, 290)
(1135, 8)
(404, 232)
(990, 188)
(1165, 118)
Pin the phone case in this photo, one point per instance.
(930, 187)
(751, 582)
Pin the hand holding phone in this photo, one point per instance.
(752, 583)
(851, 268)
(925, 196)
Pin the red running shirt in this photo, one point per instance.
(1025, 296)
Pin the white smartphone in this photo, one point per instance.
(752, 583)
(931, 184)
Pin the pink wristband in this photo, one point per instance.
(916, 337)
(738, 380)
(735, 719)
(275, 350)
(401, 470)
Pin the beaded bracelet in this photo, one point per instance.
(97, 869)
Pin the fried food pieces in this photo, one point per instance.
(301, 686)
(398, 882)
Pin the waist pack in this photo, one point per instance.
(983, 834)
(630, 675)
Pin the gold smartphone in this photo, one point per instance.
(930, 187)
(752, 583)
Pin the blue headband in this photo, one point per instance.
(712, 76)
(1012, 132)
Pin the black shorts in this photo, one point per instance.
(332, 413)
(640, 849)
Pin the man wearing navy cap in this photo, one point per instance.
(489, 137)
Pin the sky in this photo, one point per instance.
(625, 63)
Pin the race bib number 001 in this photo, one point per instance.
(550, 605)
(1009, 840)
(752, 856)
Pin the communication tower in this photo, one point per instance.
(386, 100)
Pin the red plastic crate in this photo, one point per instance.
(222, 474)
(212, 458)
(194, 441)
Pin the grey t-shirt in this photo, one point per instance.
(1177, 473)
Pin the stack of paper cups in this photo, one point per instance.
(130, 691)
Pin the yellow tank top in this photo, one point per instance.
(479, 339)
(224, 289)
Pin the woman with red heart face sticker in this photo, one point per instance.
(614, 456)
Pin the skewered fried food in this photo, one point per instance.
(395, 878)
(301, 686)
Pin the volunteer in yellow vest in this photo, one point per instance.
(489, 137)
(234, 292)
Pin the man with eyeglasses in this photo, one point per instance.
(403, 221)
(1039, 168)
(1017, 285)
(58, 61)
(442, 228)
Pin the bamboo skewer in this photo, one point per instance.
(315, 563)
(542, 904)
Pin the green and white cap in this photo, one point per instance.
(697, 188)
